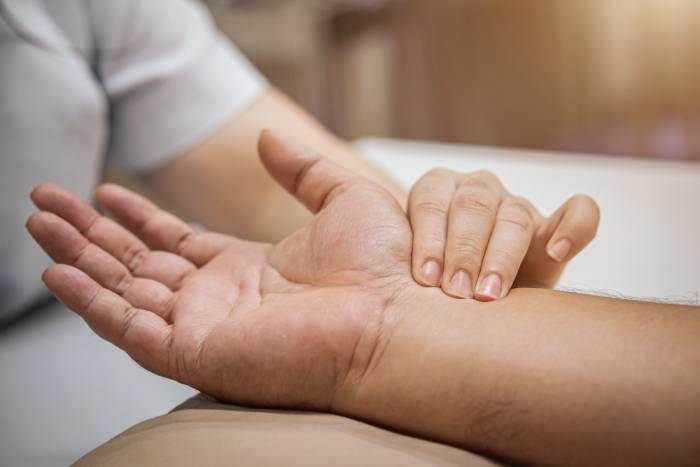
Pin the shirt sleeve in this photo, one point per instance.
(170, 77)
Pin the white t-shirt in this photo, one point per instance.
(133, 81)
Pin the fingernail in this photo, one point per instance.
(560, 250)
(490, 287)
(430, 272)
(461, 284)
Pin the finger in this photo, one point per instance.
(428, 208)
(64, 244)
(508, 245)
(163, 267)
(313, 180)
(53, 198)
(160, 230)
(578, 218)
(104, 232)
(572, 227)
(142, 334)
(471, 219)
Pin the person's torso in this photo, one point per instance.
(53, 126)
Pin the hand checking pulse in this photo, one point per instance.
(475, 240)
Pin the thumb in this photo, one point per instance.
(572, 227)
(310, 178)
(558, 240)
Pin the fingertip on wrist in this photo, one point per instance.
(460, 285)
(490, 288)
(430, 273)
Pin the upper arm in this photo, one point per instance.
(222, 184)
(186, 109)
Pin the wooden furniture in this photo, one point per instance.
(581, 75)
(297, 44)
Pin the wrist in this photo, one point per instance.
(415, 318)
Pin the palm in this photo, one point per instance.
(243, 321)
(312, 296)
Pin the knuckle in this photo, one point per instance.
(185, 239)
(122, 282)
(520, 223)
(505, 261)
(88, 307)
(430, 207)
(80, 256)
(168, 307)
(522, 203)
(301, 176)
(135, 257)
(518, 215)
(127, 322)
(486, 175)
(488, 178)
(179, 280)
(476, 183)
(467, 249)
(475, 202)
(439, 172)
(432, 181)
(93, 225)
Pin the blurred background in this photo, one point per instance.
(599, 76)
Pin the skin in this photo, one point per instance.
(331, 319)
(222, 184)
(476, 240)
(190, 299)
(461, 222)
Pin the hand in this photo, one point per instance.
(474, 239)
(284, 325)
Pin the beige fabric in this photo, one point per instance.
(204, 432)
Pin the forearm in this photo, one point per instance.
(221, 183)
(540, 377)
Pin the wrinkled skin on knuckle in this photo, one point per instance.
(519, 215)
(431, 182)
(488, 178)
(440, 173)
(134, 257)
(471, 202)
(504, 261)
(465, 253)
(429, 206)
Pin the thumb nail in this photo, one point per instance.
(560, 250)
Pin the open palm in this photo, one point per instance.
(280, 325)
